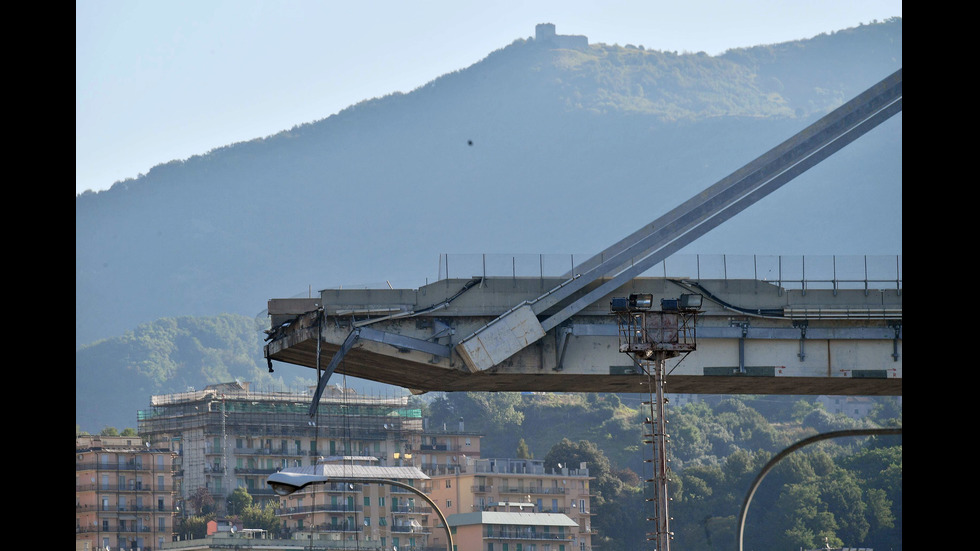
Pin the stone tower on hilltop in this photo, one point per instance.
(544, 33)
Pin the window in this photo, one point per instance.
(367, 501)
(449, 504)
(449, 483)
(381, 501)
(367, 521)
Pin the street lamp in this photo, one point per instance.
(284, 483)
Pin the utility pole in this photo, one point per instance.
(658, 438)
(650, 337)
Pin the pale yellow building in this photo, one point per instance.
(444, 448)
(518, 486)
(124, 494)
(510, 531)
(368, 515)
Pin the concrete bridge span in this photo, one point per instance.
(752, 337)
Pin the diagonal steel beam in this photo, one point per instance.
(716, 219)
(687, 222)
(733, 187)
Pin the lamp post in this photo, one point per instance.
(285, 483)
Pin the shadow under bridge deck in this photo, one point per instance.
(752, 337)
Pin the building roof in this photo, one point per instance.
(513, 519)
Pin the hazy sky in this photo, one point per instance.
(158, 80)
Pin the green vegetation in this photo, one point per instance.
(165, 356)
(849, 491)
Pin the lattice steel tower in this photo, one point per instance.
(650, 337)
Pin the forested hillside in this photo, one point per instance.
(847, 490)
(114, 378)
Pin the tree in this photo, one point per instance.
(194, 527)
(523, 452)
(238, 501)
(263, 518)
(201, 501)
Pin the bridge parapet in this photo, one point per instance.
(787, 271)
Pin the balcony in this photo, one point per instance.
(531, 535)
(410, 510)
(255, 470)
(321, 508)
(333, 528)
(533, 490)
(97, 487)
(134, 466)
(408, 530)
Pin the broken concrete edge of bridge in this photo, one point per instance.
(500, 339)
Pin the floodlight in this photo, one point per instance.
(641, 301)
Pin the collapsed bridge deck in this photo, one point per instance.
(753, 337)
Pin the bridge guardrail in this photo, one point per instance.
(788, 271)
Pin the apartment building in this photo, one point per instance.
(444, 448)
(540, 504)
(228, 436)
(514, 531)
(124, 493)
(359, 512)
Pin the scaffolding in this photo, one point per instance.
(228, 436)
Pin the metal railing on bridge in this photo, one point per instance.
(788, 271)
